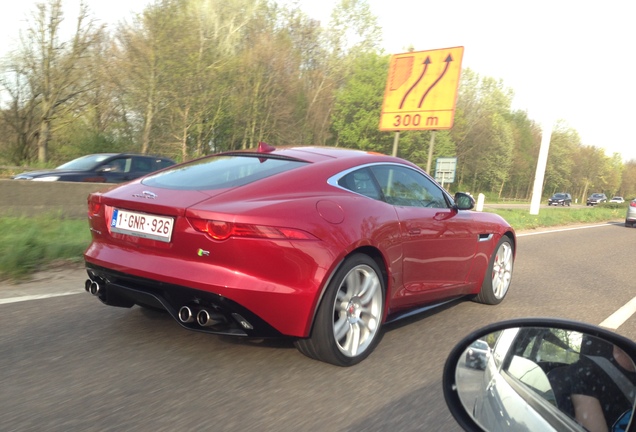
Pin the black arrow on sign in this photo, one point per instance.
(426, 63)
(448, 60)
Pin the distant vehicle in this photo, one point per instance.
(562, 199)
(630, 218)
(596, 198)
(477, 354)
(617, 199)
(101, 168)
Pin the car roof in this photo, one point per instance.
(319, 154)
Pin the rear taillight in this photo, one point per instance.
(94, 208)
(222, 230)
(632, 204)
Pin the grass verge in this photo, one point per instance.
(557, 216)
(32, 244)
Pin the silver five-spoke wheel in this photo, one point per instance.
(348, 321)
(357, 310)
(502, 270)
(499, 273)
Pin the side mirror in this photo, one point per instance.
(463, 201)
(542, 374)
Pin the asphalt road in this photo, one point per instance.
(69, 363)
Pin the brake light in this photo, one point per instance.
(222, 230)
(94, 208)
(632, 204)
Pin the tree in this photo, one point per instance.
(558, 176)
(358, 103)
(51, 70)
(527, 139)
(628, 180)
(483, 137)
(588, 171)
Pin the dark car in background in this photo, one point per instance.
(630, 217)
(596, 198)
(101, 168)
(477, 354)
(562, 199)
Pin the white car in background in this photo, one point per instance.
(617, 199)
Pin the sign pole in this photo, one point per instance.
(396, 139)
(431, 144)
(546, 135)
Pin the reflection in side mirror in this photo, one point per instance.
(463, 201)
(542, 375)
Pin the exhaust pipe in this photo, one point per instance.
(207, 319)
(186, 315)
(92, 287)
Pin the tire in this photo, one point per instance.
(498, 275)
(347, 327)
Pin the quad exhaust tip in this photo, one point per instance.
(202, 317)
(92, 287)
(186, 315)
(207, 319)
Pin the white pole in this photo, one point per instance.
(535, 203)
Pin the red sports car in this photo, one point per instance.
(318, 244)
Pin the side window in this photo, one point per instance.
(162, 163)
(556, 346)
(502, 346)
(143, 165)
(531, 374)
(536, 352)
(120, 165)
(403, 186)
(361, 182)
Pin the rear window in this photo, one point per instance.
(221, 172)
(480, 344)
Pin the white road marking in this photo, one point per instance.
(35, 297)
(619, 317)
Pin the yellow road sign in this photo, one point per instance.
(421, 90)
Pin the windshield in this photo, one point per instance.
(85, 163)
(480, 344)
(559, 196)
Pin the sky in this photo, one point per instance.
(565, 60)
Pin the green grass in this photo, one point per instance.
(31, 244)
(28, 245)
(556, 216)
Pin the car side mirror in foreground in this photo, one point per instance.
(542, 374)
(463, 201)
